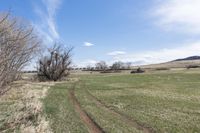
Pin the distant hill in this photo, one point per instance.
(189, 58)
(179, 63)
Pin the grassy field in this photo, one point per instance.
(21, 108)
(123, 103)
(60, 111)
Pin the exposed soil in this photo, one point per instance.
(125, 118)
(92, 126)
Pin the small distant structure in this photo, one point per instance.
(139, 70)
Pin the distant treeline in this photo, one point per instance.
(102, 66)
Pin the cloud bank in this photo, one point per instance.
(149, 57)
(178, 15)
(162, 55)
(85, 63)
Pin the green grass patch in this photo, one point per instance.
(167, 102)
(60, 111)
(107, 121)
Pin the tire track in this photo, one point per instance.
(123, 117)
(92, 126)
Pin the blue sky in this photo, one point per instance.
(138, 31)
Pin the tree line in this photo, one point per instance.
(103, 66)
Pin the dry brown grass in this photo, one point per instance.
(173, 64)
(21, 108)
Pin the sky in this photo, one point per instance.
(137, 31)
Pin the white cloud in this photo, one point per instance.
(178, 15)
(149, 57)
(116, 53)
(46, 25)
(88, 62)
(52, 6)
(162, 55)
(88, 44)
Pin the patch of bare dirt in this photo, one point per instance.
(88, 121)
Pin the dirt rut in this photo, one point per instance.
(92, 126)
(123, 117)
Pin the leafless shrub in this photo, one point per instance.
(56, 64)
(121, 65)
(101, 66)
(117, 65)
(18, 44)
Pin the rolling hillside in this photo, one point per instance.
(179, 63)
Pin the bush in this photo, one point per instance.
(139, 70)
(192, 66)
(162, 68)
(55, 65)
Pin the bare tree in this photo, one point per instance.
(128, 65)
(56, 64)
(121, 65)
(101, 65)
(117, 65)
(18, 44)
(89, 68)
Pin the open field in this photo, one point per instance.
(99, 66)
(167, 101)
